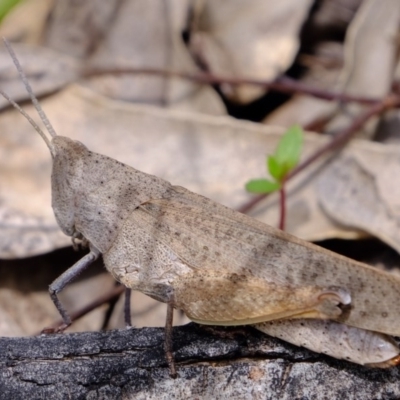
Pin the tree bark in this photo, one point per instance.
(212, 363)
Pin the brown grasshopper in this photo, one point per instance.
(219, 266)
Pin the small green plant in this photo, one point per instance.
(279, 165)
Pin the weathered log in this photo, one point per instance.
(213, 363)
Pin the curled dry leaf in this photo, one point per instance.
(257, 39)
(133, 35)
(370, 59)
(213, 156)
(368, 188)
(389, 127)
(305, 110)
(130, 34)
(370, 53)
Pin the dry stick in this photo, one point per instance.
(338, 141)
(282, 84)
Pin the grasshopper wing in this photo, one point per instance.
(217, 242)
(222, 284)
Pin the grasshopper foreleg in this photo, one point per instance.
(62, 281)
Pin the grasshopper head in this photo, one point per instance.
(66, 178)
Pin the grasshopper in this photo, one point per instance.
(217, 265)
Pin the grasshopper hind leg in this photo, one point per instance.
(213, 298)
(337, 340)
(393, 362)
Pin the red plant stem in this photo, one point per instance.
(282, 196)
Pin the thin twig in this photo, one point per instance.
(348, 133)
(282, 84)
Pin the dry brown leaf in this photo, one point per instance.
(130, 34)
(370, 52)
(370, 59)
(133, 34)
(334, 15)
(389, 127)
(257, 39)
(77, 27)
(214, 156)
(47, 71)
(304, 110)
(367, 185)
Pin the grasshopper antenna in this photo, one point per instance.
(34, 100)
(27, 116)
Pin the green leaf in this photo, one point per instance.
(6, 6)
(288, 152)
(275, 169)
(262, 186)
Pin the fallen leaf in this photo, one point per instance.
(46, 70)
(256, 39)
(213, 156)
(370, 60)
(370, 56)
(133, 35)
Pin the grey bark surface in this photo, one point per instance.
(213, 363)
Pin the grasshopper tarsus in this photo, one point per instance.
(64, 314)
(58, 329)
